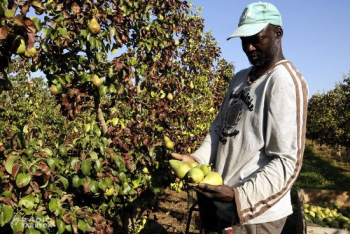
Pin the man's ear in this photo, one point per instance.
(279, 32)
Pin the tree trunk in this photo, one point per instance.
(99, 115)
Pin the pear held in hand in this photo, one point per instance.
(180, 168)
(195, 175)
(205, 168)
(213, 178)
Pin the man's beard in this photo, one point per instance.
(271, 54)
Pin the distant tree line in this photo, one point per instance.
(329, 116)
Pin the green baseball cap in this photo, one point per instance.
(255, 17)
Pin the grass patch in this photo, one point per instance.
(316, 173)
(319, 173)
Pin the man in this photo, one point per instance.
(257, 140)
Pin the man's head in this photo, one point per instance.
(260, 31)
(255, 17)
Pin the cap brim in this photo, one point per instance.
(247, 30)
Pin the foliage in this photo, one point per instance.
(107, 159)
(328, 116)
(17, 35)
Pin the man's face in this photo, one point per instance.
(262, 47)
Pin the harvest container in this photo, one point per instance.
(314, 196)
(207, 214)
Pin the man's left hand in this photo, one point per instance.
(221, 193)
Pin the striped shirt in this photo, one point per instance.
(257, 142)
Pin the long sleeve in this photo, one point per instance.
(285, 110)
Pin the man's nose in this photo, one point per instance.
(250, 47)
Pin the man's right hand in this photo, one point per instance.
(183, 157)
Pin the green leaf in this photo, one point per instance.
(22, 179)
(87, 127)
(9, 13)
(103, 90)
(6, 214)
(48, 151)
(9, 163)
(46, 32)
(17, 224)
(74, 162)
(75, 181)
(37, 22)
(97, 131)
(122, 176)
(112, 88)
(92, 41)
(64, 181)
(93, 155)
(52, 163)
(99, 56)
(93, 186)
(136, 182)
(54, 204)
(63, 150)
(112, 31)
(86, 167)
(108, 181)
(61, 226)
(149, 46)
(126, 189)
(133, 61)
(102, 185)
(83, 226)
(7, 194)
(98, 165)
(63, 31)
(84, 32)
(27, 201)
(32, 230)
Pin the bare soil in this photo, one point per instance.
(171, 214)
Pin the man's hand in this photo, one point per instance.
(183, 157)
(221, 193)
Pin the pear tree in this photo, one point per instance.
(135, 81)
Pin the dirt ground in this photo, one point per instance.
(171, 214)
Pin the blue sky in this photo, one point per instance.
(316, 36)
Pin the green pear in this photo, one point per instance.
(168, 143)
(213, 178)
(22, 47)
(94, 26)
(182, 170)
(195, 175)
(96, 81)
(174, 163)
(194, 164)
(53, 89)
(31, 52)
(205, 168)
(170, 96)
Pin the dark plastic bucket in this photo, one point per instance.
(207, 213)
